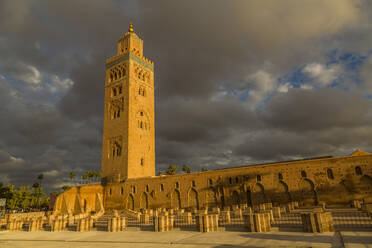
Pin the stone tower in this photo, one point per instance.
(128, 148)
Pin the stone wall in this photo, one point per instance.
(80, 199)
(306, 181)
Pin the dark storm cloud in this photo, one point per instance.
(304, 110)
(206, 54)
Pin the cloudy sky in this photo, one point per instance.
(237, 82)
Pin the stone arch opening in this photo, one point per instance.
(249, 197)
(176, 199)
(85, 205)
(144, 202)
(258, 196)
(365, 184)
(307, 191)
(130, 202)
(211, 198)
(281, 194)
(193, 201)
(235, 198)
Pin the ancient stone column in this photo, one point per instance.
(356, 204)
(112, 224)
(81, 225)
(276, 212)
(317, 222)
(238, 213)
(216, 210)
(257, 222)
(226, 217)
(32, 227)
(145, 218)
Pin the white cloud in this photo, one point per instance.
(321, 74)
(29, 74)
(306, 87)
(260, 84)
(60, 84)
(16, 160)
(51, 173)
(283, 88)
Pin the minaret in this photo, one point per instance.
(128, 147)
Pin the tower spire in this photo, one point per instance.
(130, 29)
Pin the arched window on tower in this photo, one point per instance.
(280, 176)
(303, 173)
(330, 174)
(210, 182)
(358, 170)
(258, 178)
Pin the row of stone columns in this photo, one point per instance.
(116, 224)
(163, 222)
(15, 225)
(317, 222)
(207, 222)
(35, 224)
(59, 223)
(84, 224)
(258, 222)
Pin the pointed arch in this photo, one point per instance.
(130, 202)
(258, 194)
(176, 199)
(281, 194)
(192, 199)
(235, 198)
(211, 198)
(144, 201)
(365, 184)
(307, 191)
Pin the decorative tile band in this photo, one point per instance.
(130, 56)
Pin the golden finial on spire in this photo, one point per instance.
(130, 27)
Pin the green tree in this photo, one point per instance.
(186, 169)
(85, 177)
(72, 176)
(97, 175)
(66, 187)
(40, 177)
(172, 169)
(203, 169)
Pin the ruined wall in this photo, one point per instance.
(80, 199)
(332, 180)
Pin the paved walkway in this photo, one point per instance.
(182, 239)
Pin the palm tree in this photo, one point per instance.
(84, 177)
(90, 175)
(186, 169)
(72, 176)
(97, 174)
(40, 177)
(66, 187)
(172, 169)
